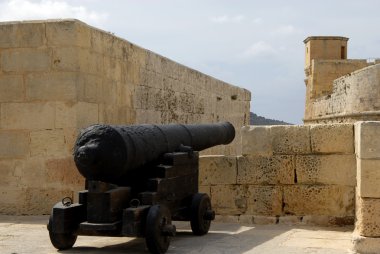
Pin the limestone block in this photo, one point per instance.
(21, 60)
(326, 169)
(264, 200)
(47, 143)
(34, 115)
(124, 94)
(227, 218)
(40, 201)
(10, 173)
(332, 138)
(368, 216)
(87, 114)
(65, 115)
(68, 32)
(14, 144)
(33, 173)
(144, 116)
(291, 139)
(51, 86)
(365, 245)
(229, 199)
(77, 59)
(256, 140)
(70, 137)
(89, 88)
(264, 220)
(290, 220)
(327, 221)
(11, 88)
(246, 219)
(113, 68)
(132, 72)
(319, 200)
(114, 114)
(76, 115)
(367, 143)
(63, 172)
(277, 169)
(205, 189)
(368, 178)
(217, 170)
(12, 200)
(22, 35)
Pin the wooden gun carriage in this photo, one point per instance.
(139, 179)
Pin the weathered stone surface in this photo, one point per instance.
(264, 220)
(10, 173)
(35, 197)
(63, 172)
(59, 76)
(227, 218)
(205, 189)
(30, 201)
(77, 59)
(326, 169)
(328, 221)
(14, 144)
(24, 35)
(330, 200)
(34, 115)
(21, 60)
(47, 143)
(264, 200)
(365, 245)
(368, 216)
(256, 140)
(76, 115)
(246, 219)
(11, 88)
(68, 33)
(367, 143)
(277, 169)
(332, 138)
(368, 178)
(293, 139)
(229, 199)
(289, 220)
(51, 87)
(217, 170)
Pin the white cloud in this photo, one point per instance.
(259, 48)
(48, 9)
(227, 19)
(257, 21)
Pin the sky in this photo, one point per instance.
(254, 44)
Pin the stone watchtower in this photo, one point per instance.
(322, 48)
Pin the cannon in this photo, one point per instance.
(139, 178)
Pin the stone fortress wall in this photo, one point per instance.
(303, 174)
(59, 76)
(339, 89)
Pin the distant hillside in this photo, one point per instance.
(260, 120)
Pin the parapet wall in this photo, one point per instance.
(57, 77)
(297, 174)
(354, 97)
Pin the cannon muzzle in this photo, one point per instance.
(109, 153)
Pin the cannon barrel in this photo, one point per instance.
(108, 153)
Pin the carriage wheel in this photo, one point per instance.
(159, 229)
(61, 241)
(201, 214)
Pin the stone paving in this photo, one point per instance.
(28, 235)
